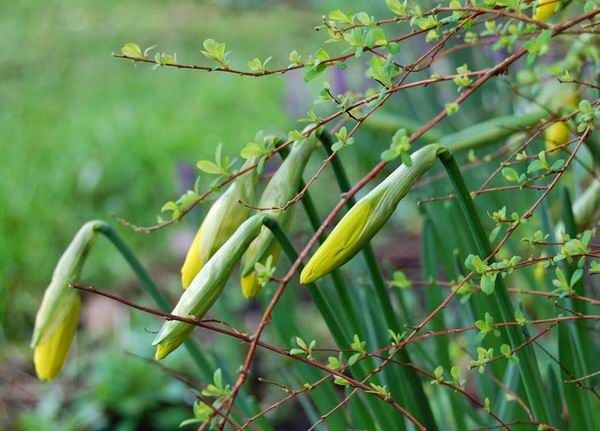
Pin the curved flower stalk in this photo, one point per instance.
(223, 218)
(368, 216)
(545, 9)
(206, 287)
(57, 317)
(280, 190)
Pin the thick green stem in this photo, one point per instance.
(573, 338)
(339, 336)
(203, 363)
(433, 296)
(530, 374)
(349, 314)
(412, 392)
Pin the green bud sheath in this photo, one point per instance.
(369, 214)
(280, 190)
(56, 319)
(206, 287)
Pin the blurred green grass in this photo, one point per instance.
(85, 135)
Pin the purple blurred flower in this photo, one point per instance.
(186, 175)
(340, 81)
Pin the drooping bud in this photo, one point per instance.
(368, 216)
(206, 287)
(282, 187)
(56, 319)
(224, 217)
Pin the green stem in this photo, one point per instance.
(203, 363)
(412, 393)
(530, 374)
(349, 310)
(340, 338)
(433, 295)
(573, 338)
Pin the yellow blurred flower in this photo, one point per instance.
(556, 135)
(539, 272)
(545, 9)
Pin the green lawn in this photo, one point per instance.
(85, 135)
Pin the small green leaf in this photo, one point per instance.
(132, 50)
(208, 167)
(487, 284)
(510, 175)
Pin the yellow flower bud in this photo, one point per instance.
(545, 9)
(367, 217)
(249, 283)
(56, 319)
(281, 189)
(556, 135)
(221, 221)
(192, 263)
(206, 287)
(49, 356)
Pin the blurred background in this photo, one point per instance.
(86, 136)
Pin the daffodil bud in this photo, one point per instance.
(249, 283)
(280, 190)
(369, 214)
(556, 135)
(206, 287)
(223, 218)
(56, 319)
(545, 9)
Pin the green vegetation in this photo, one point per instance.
(314, 169)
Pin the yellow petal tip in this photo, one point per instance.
(305, 277)
(162, 351)
(249, 285)
(50, 355)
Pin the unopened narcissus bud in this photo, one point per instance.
(57, 317)
(556, 135)
(249, 283)
(224, 217)
(545, 9)
(280, 190)
(206, 287)
(369, 214)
